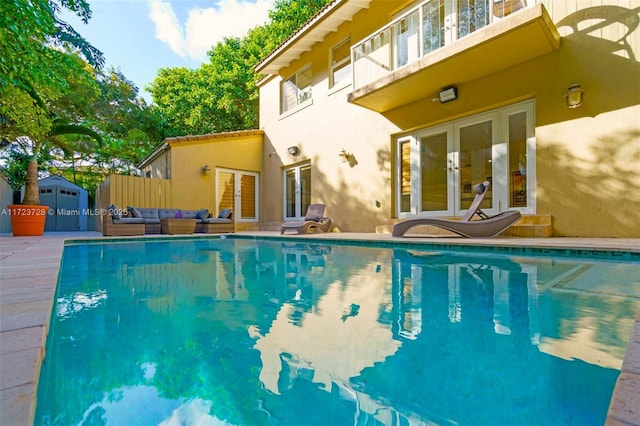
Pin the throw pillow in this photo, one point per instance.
(203, 214)
(133, 212)
(114, 211)
(225, 214)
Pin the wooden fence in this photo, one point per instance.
(134, 191)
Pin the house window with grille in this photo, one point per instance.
(340, 63)
(296, 90)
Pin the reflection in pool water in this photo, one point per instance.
(264, 332)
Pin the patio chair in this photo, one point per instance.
(314, 219)
(486, 227)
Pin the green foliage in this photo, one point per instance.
(39, 56)
(129, 129)
(222, 95)
(16, 158)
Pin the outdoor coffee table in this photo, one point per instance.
(177, 226)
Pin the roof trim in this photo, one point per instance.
(208, 136)
(164, 145)
(311, 32)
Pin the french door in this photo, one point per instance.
(438, 167)
(238, 190)
(297, 191)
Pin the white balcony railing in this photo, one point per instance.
(429, 26)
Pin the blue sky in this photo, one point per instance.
(141, 36)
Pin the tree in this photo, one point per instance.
(222, 94)
(41, 58)
(129, 128)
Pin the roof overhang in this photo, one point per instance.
(165, 145)
(522, 36)
(326, 21)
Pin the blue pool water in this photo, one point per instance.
(267, 332)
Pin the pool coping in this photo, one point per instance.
(27, 291)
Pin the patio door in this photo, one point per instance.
(436, 168)
(238, 190)
(297, 191)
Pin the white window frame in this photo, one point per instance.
(339, 65)
(303, 96)
(297, 195)
(237, 201)
(500, 164)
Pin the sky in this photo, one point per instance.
(139, 37)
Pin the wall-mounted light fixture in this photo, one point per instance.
(574, 96)
(448, 94)
(293, 150)
(205, 170)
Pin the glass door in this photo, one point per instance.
(437, 168)
(238, 191)
(474, 141)
(297, 191)
(437, 172)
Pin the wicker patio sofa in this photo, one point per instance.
(141, 220)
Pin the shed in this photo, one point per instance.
(68, 204)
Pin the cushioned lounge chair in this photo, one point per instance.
(314, 219)
(485, 227)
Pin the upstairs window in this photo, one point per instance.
(340, 63)
(296, 89)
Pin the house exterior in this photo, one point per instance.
(385, 110)
(389, 109)
(214, 171)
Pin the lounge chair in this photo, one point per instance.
(314, 219)
(486, 227)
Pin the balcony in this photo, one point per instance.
(434, 45)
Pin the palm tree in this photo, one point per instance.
(60, 127)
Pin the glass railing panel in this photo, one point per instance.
(472, 15)
(406, 40)
(372, 58)
(433, 26)
(422, 30)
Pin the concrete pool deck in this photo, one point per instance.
(29, 272)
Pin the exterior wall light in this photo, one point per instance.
(205, 170)
(293, 150)
(448, 94)
(574, 96)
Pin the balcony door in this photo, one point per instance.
(297, 191)
(438, 167)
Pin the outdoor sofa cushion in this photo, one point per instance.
(172, 213)
(129, 220)
(216, 220)
(114, 211)
(146, 213)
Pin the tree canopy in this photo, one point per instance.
(222, 95)
(55, 98)
(40, 55)
(52, 82)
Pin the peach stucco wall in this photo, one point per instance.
(586, 158)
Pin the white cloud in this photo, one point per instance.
(204, 27)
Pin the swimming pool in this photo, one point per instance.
(242, 331)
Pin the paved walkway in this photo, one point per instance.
(29, 271)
